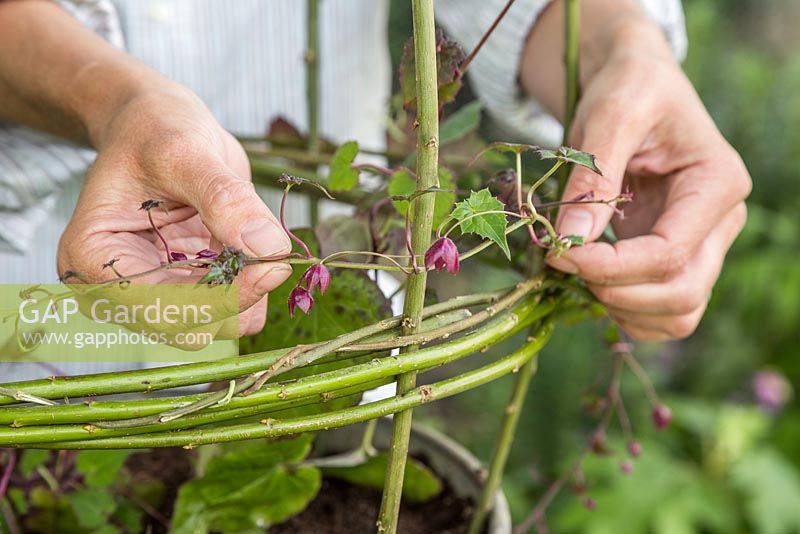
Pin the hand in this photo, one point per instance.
(651, 134)
(164, 144)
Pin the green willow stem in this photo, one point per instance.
(312, 92)
(427, 177)
(572, 41)
(502, 446)
(148, 380)
(275, 428)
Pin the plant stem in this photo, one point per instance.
(427, 177)
(485, 37)
(572, 38)
(311, 423)
(312, 92)
(505, 439)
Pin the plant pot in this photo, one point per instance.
(448, 459)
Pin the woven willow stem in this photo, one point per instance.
(275, 428)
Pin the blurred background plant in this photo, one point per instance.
(731, 460)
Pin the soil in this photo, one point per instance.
(172, 467)
(343, 508)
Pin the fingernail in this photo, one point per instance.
(562, 264)
(265, 238)
(577, 221)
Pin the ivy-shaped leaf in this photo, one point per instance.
(487, 225)
(403, 184)
(249, 487)
(449, 56)
(460, 123)
(343, 176)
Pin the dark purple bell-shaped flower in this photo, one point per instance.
(300, 298)
(443, 254)
(317, 276)
(178, 256)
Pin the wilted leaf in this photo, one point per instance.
(419, 483)
(487, 225)
(251, 486)
(460, 123)
(343, 176)
(449, 57)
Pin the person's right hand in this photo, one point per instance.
(165, 145)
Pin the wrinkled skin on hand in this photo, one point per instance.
(165, 145)
(651, 134)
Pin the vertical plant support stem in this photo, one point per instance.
(427, 176)
(502, 446)
(312, 91)
(572, 33)
(505, 437)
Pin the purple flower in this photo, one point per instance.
(300, 298)
(206, 254)
(443, 254)
(317, 276)
(661, 416)
(178, 256)
(772, 390)
(589, 503)
(626, 467)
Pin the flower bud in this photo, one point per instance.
(634, 448)
(661, 416)
(589, 503)
(178, 256)
(443, 254)
(316, 276)
(300, 298)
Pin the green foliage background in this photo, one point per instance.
(725, 465)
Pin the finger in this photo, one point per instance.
(252, 320)
(232, 210)
(612, 133)
(659, 327)
(697, 201)
(688, 290)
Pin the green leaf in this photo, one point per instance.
(31, 459)
(570, 155)
(251, 486)
(343, 176)
(403, 184)
(460, 123)
(100, 468)
(420, 483)
(449, 57)
(489, 225)
(771, 485)
(92, 507)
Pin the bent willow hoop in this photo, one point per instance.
(70, 422)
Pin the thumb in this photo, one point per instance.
(613, 144)
(235, 215)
